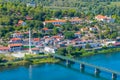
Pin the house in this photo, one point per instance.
(15, 47)
(21, 22)
(15, 40)
(57, 37)
(58, 22)
(104, 18)
(35, 50)
(45, 30)
(93, 29)
(108, 42)
(83, 44)
(75, 21)
(4, 49)
(84, 29)
(49, 50)
(78, 34)
(55, 22)
(17, 35)
(26, 32)
(36, 41)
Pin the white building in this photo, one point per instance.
(104, 18)
(49, 50)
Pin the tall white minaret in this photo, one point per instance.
(30, 50)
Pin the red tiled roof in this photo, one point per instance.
(26, 32)
(46, 37)
(45, 29)
(4, 48)
(15, 39)
(50, 21)
(56, 36)
(101, 17)
(35, 48)
(14, 45)
(20, 21)
(36, 39)
(76, 19)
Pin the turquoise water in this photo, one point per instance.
(63, 72)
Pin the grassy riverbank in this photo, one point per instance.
(102, 51)
(29, 59)
(7, 61)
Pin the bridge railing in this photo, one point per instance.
(87, 64)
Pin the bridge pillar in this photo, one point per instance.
(82, 67)
(97, 72)
(114, 76)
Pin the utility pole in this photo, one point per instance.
(30, 50)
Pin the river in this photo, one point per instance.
(63, 72)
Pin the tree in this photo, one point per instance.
(57, 13)
(87, 45)
(55, 30)
(38, 25)
(70, 49)
(50, 25)
(61, 51)
(69, 35)
(67, 26)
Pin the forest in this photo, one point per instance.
(11, 11)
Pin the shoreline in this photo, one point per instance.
(29, 60)
(103, 51)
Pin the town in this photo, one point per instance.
(84, 37)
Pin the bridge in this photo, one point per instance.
(97, 70)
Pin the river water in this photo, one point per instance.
(63, 72)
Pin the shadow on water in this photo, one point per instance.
(82, 72)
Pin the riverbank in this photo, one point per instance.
(29, 61)
(101, 51)
(40, 59)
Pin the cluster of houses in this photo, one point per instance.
(50, 44)
(77, 20)
(74, 20)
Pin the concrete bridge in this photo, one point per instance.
(97, 70)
